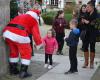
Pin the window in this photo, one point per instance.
(54, 2)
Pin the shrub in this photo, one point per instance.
(68, 17)
(49, 17)
(69, 7)
(13, 8)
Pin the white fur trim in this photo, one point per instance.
(39, 46)
(14, 60)
(15, 37)
(33, 14)
(25, 61)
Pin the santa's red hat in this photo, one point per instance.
(34, 13)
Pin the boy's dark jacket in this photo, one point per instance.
(73, 38)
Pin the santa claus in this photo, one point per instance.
(16, 35)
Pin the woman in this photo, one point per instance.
(90, 35)
(59, 26)
(81, 25)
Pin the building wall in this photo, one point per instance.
(4, 18)
(61, 4)
(86, 1)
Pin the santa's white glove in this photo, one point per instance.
(39, 46)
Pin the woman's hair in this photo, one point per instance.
(59, 13)
(84, 5)
(53, 32)
(76, 13)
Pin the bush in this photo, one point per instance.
(13, 8)
(49, 17)
(69, 8)
(68, 17)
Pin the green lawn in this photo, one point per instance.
(68, 16)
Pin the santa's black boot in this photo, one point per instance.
(23, 72)
(13, 68)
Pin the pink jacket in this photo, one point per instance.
(50, 45)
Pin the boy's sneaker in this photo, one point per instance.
(75, 71)
(60, 52)
(46, 65)
(50, 67)
(71, 72)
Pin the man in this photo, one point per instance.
(93, 2)
(90, 36)
(16, 35)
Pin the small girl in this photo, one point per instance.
(51, 47)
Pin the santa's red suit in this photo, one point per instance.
(16, 34)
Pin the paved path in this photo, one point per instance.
(57, 73)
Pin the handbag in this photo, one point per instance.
(83, 35)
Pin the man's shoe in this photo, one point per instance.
(13, 68)
(69, 72)
(23, 72)
(24, 75)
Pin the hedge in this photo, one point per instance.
(49, 17)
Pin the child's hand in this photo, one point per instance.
(34, 46)
(38, 48)
(55, 51)
(65, 37)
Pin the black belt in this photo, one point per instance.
(17, 26)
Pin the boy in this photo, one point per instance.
(72, 42)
